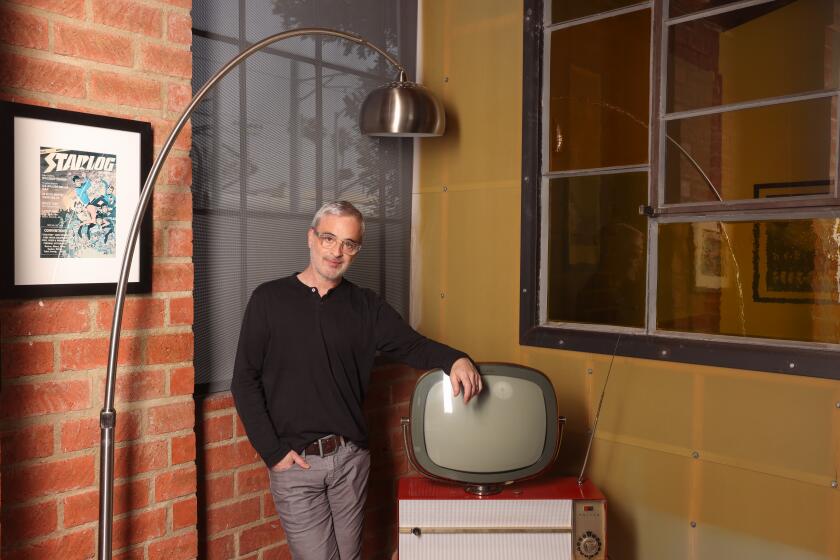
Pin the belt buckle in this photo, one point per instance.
(334, 449)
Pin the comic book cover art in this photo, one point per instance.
(78, 204)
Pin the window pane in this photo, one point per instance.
(597, 247)
(599, 93)
(768, 50)
(565, 10)
(352, 169)
(276, 247)
(768, 279)
(264, 18)
(216, 127)
(282, 160)
(740, 150)
(217, 16)
(217, 270)
(678, 8)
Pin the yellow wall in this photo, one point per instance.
(768, 444)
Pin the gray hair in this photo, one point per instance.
(338, 208)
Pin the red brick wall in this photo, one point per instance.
(233, 482)
(388, 401)
(129, 59)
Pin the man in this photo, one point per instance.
(301, 373)
(102, 210)
(81, 192)
(81, 185)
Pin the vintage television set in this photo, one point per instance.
(484, 492)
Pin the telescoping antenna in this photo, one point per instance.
(598, 413)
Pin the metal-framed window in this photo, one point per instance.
(679, 183)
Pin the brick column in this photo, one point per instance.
(129, 59)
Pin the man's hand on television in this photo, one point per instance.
(463, 373)
(290, 459)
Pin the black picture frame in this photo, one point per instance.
(53, 249)
(779, 275)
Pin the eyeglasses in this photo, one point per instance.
(329, 240)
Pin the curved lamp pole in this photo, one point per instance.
(400, 108)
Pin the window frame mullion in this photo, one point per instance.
(658, 38)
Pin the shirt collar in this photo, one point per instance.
(340, 287)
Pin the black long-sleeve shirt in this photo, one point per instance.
(303, 363)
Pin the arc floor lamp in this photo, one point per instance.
(399, 108)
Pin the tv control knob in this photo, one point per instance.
(588, 544)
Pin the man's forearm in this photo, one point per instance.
(251, 406)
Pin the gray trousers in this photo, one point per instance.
(322, 508)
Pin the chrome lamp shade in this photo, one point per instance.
(402, 108)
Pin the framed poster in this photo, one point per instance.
(784, 250)
(709, 271)
(73, 182)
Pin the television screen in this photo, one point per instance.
(509, 432)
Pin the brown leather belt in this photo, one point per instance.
(325, 446)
